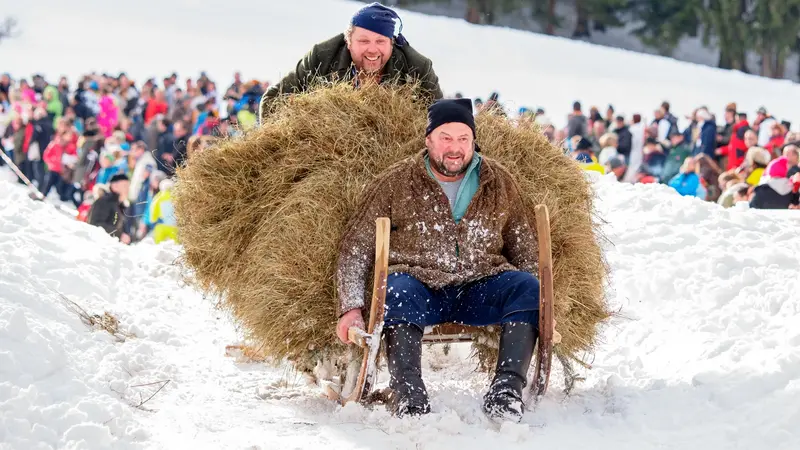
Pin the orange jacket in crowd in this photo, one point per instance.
(154, 108)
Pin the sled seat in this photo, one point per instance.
(447, 333)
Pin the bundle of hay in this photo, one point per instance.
(260, 216)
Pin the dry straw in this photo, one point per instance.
(260, 216)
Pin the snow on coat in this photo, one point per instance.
(493, 236)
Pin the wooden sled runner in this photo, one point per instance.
(539, 375)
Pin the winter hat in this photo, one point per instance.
(448, 111)
(166, 184)
(778, 168)
(703, 115)
(758, 155)
(379, 19)
(616, 162)
(118, 177)
(583, 144)
(107, 155)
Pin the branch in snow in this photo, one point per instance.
(106, 321)
(165, 382)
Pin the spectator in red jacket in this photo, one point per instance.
(157, 105)
(737, 147)
(776, 140)
(60, 154)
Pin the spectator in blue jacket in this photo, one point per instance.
(707, 140)
(687, 182)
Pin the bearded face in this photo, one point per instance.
(370, 51)
(450, 149)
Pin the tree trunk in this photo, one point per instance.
(582, 24)
(780, 65)
(724, 59)
(766, 63)
(551, 16)
(487, 11)
(773, 63)
(479, 12)
(472, 16)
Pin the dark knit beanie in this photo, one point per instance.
(118, 177)
(450, 110)
(379, 19)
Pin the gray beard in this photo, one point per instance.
(440, 167)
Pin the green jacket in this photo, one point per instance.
(54, 105)
(330, 60)
(674, 161)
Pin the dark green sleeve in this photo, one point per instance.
(430, 82)
(295, 81)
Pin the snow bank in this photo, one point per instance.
(266, 39)
(62, 384)
(707, 355)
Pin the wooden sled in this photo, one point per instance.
(370, 339)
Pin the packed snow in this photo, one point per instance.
(705, 353)
(265, 39)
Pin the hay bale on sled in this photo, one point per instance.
(260, 216)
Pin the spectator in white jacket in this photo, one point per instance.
(145, 164)
(764, 123)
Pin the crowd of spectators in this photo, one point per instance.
(737, 158)
(110, 146)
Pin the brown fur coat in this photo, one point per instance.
(494, 235)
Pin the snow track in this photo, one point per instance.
(705, 356)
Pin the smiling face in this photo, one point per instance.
(450, 148)
(370, 51)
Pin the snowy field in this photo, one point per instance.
(707, 356)
(265, 39)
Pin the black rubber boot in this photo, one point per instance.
(404, 353)
(503, 401)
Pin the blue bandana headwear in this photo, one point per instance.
(379, 19)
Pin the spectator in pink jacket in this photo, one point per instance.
(108, 117)
(27, 92)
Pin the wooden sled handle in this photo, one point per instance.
(366, 376)
(544, 347)
(356, 336)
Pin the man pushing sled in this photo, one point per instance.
(462, 251)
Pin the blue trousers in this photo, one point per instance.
(506, 297)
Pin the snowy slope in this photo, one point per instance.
(265, 39)
(707, 356)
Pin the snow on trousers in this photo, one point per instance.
(506, 297)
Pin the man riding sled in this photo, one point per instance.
(462, 251)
